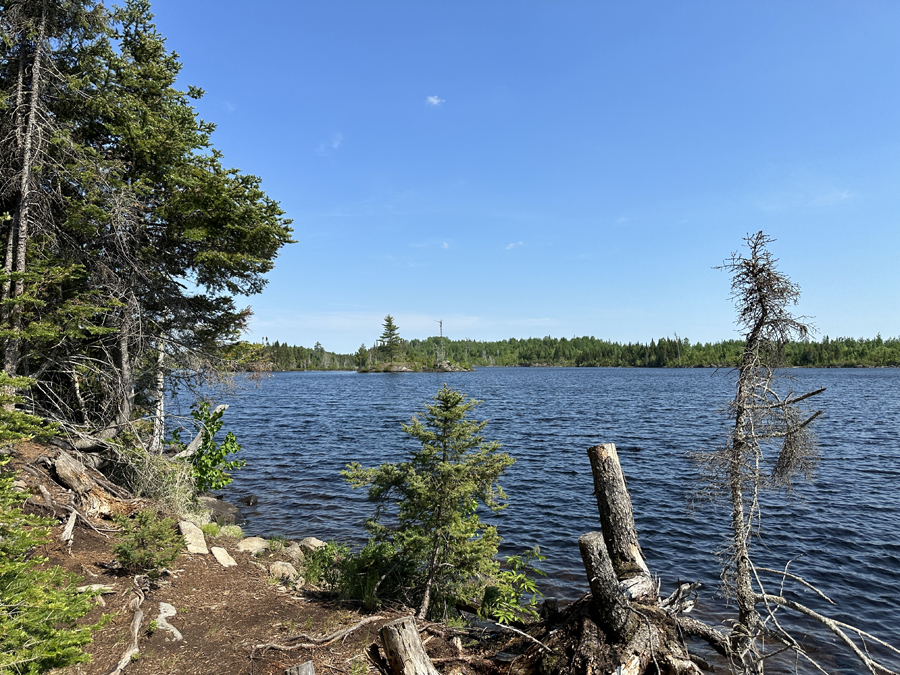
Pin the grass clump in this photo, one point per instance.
(233, 531)
(148, 543)
(210, 529)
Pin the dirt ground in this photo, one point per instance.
(224, 614)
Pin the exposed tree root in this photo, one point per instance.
(311, 642)
(135, 631)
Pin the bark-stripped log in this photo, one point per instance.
(617, 523)
(404, 649)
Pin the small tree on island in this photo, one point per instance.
(434, 497)
(390, 338)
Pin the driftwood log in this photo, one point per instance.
(404, 649)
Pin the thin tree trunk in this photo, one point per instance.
(29, 143)
(160, 405)
(126, 394)
(744, 640)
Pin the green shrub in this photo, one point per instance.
(16, 425)
(147, 543)
(277, 542)
(39, 609)
(209, 462)
(514, 597)
(322, 567)
(233, 531)
(377, 571)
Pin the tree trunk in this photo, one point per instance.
(404, 649)
(159, 408)
(617, 523)
(613, 608)
(30, 145)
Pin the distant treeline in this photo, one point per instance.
(589, 351)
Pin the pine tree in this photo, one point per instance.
(436, 494)
(390, 337)
(39, 608)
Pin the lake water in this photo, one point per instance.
(298, 430)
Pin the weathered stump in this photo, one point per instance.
(404, 649)
(613, 609)
(617, 523)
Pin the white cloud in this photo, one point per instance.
(445, 245)
(513, 245)
(325, 147)
(434, 100)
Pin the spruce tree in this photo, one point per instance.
(434, 498)
(390, 337)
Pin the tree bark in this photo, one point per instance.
(159, 407)
(617, 523)
(613, 608)
(404, 649)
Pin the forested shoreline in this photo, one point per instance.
(592, 352)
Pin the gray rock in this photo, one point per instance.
(220, 554)
(193, 537)
(283, 570)
(294, 552)
(220, 511)
(310, 544)
(253, 544)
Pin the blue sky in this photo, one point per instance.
(556, 168)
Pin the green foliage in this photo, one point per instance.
(147, 543)
(39, 608)
(209, 462)
(377, 571)
(322, 567)
(588, 351)
(515, 595)
(390, 338)
(210, 529)
(433, 500)
(16, 425)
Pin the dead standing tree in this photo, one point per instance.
(770, 445)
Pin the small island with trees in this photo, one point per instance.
(390, 355)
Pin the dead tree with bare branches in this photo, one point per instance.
(770, 445)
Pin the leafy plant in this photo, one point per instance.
(209, 462)
(323, 565)
(277, 542)
(515, 595)
(147, 543)
(39, 608)
(435, 496)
